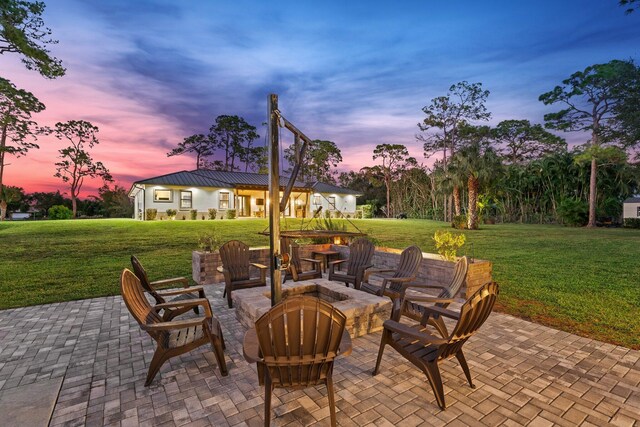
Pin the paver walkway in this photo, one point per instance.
(525, 374)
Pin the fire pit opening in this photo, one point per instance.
(314, 290)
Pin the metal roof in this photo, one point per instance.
(323, 187)
(633, 200)
(184, 178)
(235, 179)
(223, 179)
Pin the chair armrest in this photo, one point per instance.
(187, 303)
(346, 345)
(386, 281)
(251, 347)
(429, 299)
(311, 260)
(174, 324)
(376, 271)
(260, 266)
(183, 280)
(443, 312)
(425, 286)
(189, 290)
(338, 261)
(410, 332)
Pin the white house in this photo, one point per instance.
(631, 208)
(245, 192)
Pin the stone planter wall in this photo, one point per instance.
(432, 270)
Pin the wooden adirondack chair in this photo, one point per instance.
(295, 270)
(186, 294)
(294, 345)
(173, 337)
(414, 308)
(395, 280)
(425, 350)
(236, 269)
(360, 255)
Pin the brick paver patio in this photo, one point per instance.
(525, 374)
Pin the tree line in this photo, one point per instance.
(22, 31)
(517, 171)
(111, 202)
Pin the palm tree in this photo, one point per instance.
(478, 161)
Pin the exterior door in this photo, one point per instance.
(244, 206)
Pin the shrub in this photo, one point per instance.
(448, 244)
(152, 214)
(358, 214)
(194, 213)
(231, 214)
(367, 211)
(632, 222)
(209, 242)
(171, 213)
(184, 217)
(212, 213)
(60, 212)
(203, 217)
(573, 212)
(459, 222)
(327, 213)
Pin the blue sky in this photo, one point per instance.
(149, 73)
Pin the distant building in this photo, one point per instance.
(245, 192)
(631, 208)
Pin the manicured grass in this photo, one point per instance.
(578, 280)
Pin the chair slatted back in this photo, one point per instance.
(141, 274)
(299, 338)
(473, 314)
(235, 259)
(360, 254)
(410, 260)
(459, 276)
(135, 300)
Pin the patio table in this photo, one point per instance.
(325, 257)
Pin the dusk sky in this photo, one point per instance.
(148, 73)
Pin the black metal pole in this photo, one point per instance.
(274, 199)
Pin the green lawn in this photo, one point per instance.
(578, 280)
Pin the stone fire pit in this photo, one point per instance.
(365, 312)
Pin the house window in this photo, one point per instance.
(259, 202)
(332, 203)
(162, 196)
(316, 200)
(224, 200)
(638, 213)
(185, 200)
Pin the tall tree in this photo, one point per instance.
(463, 104)
(478, 161)
(395, 158)
(9, 195)
(320, 159)
(76, 163)
(17, 130)
(521, 141)
(232, 134)
(631, 5)
(116, 201)
(254, 158)
(199, 144)
(22, 31)
(591, 98)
